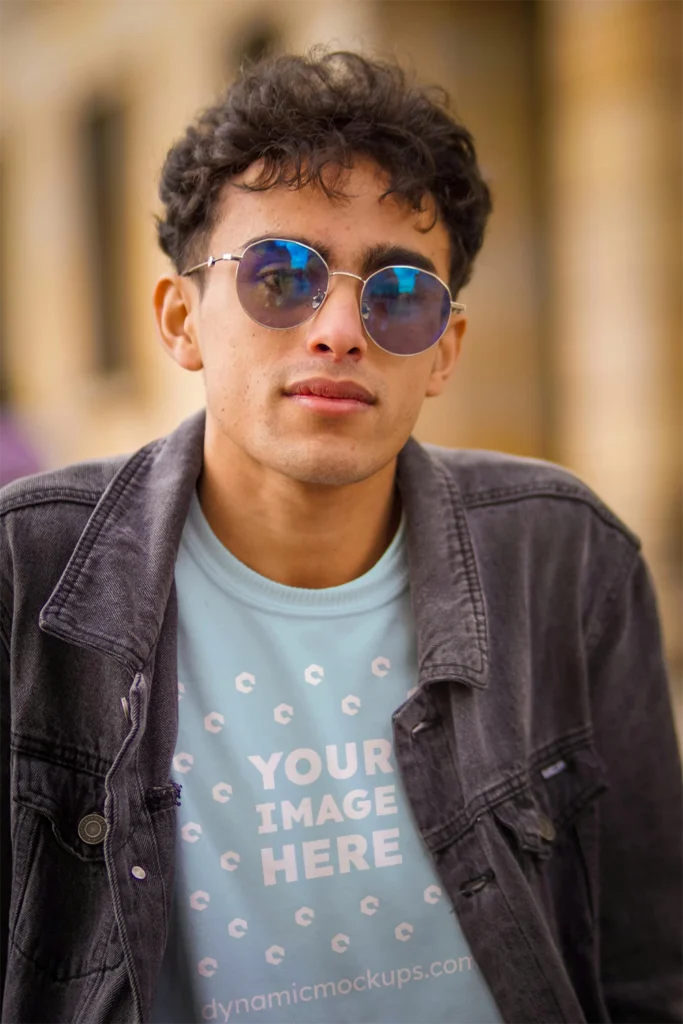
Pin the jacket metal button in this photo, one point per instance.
(138, 872)
(546, 828)
(92, 829)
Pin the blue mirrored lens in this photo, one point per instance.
(280, 283)
(405, 311)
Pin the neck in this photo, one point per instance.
(301, 535)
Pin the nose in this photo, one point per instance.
(337, 326)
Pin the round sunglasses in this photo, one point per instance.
(281, 284)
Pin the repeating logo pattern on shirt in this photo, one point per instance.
(303, 766)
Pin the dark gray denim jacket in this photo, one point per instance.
(538, 752)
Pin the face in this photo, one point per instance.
(249, 370)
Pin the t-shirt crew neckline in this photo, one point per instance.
(384, 582)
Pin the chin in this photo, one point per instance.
(330, 474)
(327, 469)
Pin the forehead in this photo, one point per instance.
(348, 227)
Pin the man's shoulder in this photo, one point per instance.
(487, 478)
(42, 517)
(84, 483)
(80, 483)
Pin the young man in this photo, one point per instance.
(302, 720)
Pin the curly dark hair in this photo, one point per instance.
(307, 116)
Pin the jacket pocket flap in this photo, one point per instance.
(565, 783)
(522, 817)
(562, 786)
(66, 797)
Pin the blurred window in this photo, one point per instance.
(104, 154)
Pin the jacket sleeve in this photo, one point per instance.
(641, 892)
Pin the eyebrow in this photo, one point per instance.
(373, 257)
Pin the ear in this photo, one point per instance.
(446, 356)
(176, 304)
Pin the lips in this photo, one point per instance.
(321, 387)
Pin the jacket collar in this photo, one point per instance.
(446, 591)
(113, 594)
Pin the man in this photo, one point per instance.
(302, 720)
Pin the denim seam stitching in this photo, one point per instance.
(14, 919)
(481, 803)
(497, 794)
(570, 742)
(609, 604)
(146, 813)
(45, 971)
(120, 652)
(61, 495)
(125, 477)
(540, 487)
(469, 566)
(500, 495)
(529, 945)
(114, 885)
(470, 675)
(5, 629)
(21, 746)
(90, 987)
(472, 576)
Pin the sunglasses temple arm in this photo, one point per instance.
(210, 262)
(458, 307)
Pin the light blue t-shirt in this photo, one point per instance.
(303, 890)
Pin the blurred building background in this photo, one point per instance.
(573, 351)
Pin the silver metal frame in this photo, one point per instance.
(456, 307)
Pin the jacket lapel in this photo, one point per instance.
(112, 595)
(446, 591)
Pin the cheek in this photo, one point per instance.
(225, 331)
(236, 372)
(410, 389)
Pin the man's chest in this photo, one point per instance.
(299, 868)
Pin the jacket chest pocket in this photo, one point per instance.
(62, 918)
(552, 826)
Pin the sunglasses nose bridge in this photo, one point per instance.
(342, 273)
(330, 274)
(346, 273)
